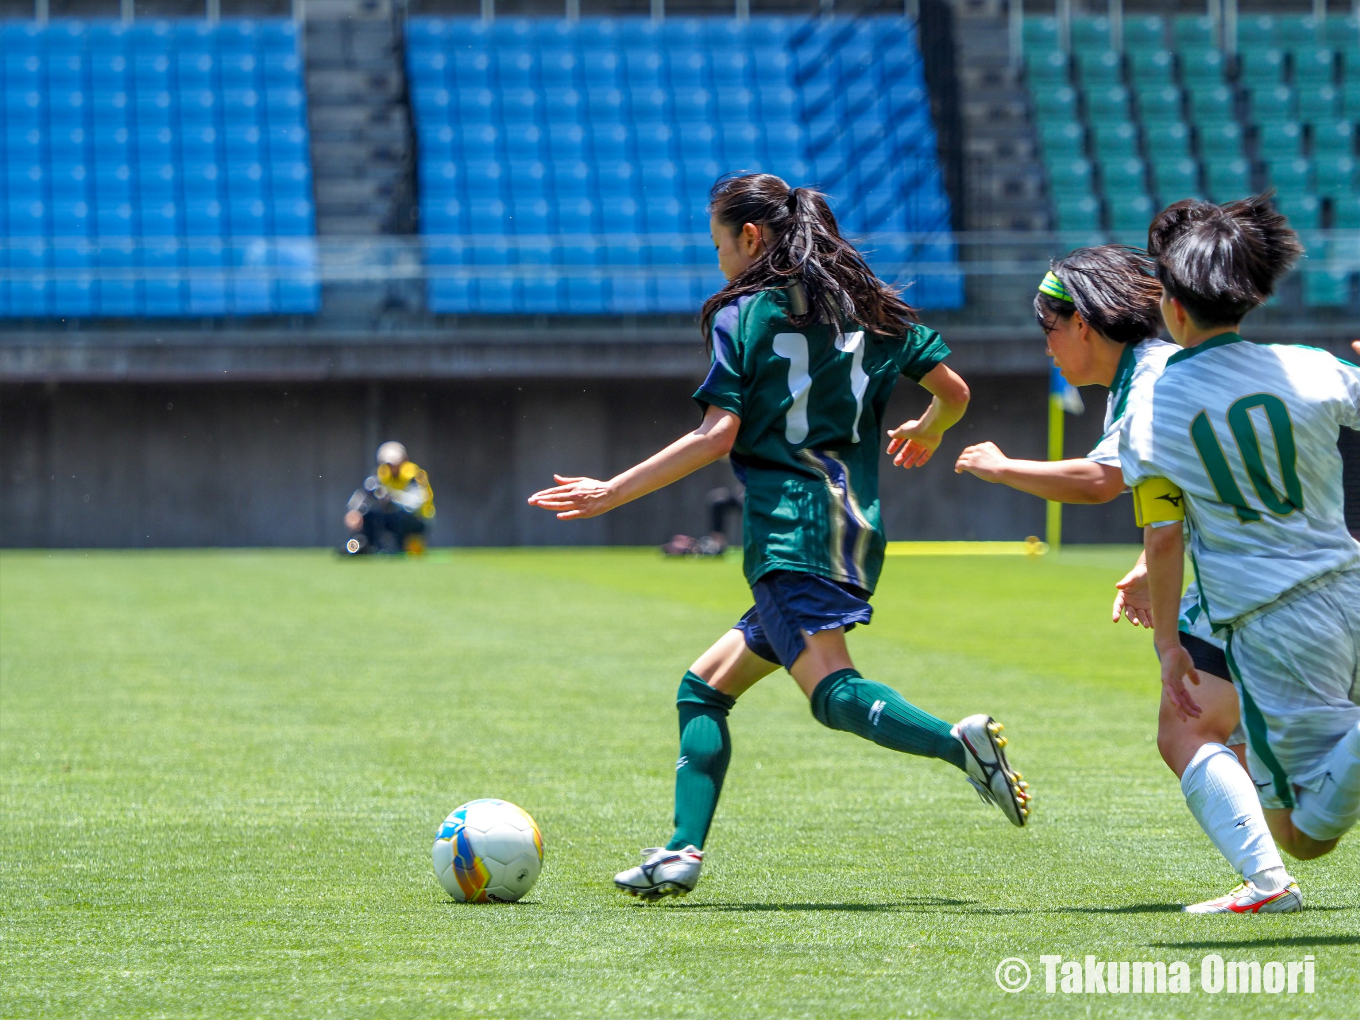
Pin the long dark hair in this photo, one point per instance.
(1112, 288)
(806, 248)
(1221, 261)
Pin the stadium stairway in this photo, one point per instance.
(363, 152)
(361, 136)
(1003, 178)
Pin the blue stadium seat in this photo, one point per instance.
(559, 68)
(528, 178)
(609, 141)
(600, 69)
(520, 105)
(523, 140)
(481, 142)
(471, 69)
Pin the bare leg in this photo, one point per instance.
(1296, 844)
(730, 667)
(1178, 739)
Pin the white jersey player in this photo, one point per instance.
(1098, 308)
(1239, 441)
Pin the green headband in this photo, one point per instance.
(1054, 288)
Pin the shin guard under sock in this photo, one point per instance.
(844, 700)
(705, 750)
(1223, 800)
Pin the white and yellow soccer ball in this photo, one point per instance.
(488, 851)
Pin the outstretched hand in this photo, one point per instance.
(1177, 667)
(913, 444)
(1132, 598)
(576, 498)
(985, 460)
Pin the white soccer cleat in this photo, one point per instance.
(1247, 899)
(989, 771)
(662, 873)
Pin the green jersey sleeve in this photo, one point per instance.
(722, 387)
(922, 351)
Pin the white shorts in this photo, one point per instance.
(1297, 666)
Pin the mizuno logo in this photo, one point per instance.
(876, 710)
(1173, 500)
(684, 760)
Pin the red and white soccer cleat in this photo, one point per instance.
(662, 873)
(1247, 899)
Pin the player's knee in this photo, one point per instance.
(1305, 848)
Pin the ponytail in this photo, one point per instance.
(827, 279)
(1220, 262)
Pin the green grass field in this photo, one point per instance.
(222, 773)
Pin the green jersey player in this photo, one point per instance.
(807, 345)
(1099, 310)
(1239, 441)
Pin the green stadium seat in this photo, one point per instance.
(1272, 103)
(1290, 176)
(1132, 212)
(1115, 139)
(1062, 139)
(1350, 62)
(1108, 102)
(1227, 179)
(1175, 179)
(1100, 68)
(1342, 30)
(1297, 30)
(1220, 141)
(1041, 31)
(1333, 138)
(1090, 34)
(1055, 103)
(1303, 211)
(1335, 175)
(1077, 212)
(1350, 99)
(1346, 212)
(1193, 32)
(1121, 176)
(1212, 105)
(1326, 287)
(1144, 32)
(1160, 103)
(1069, 176)
(1257, 30)
(1314, 67)
(1050, 66)
(1318, 104)
(1167, 139)
(1152, 68)
(1202, 68)
(1262, 66)
(1280, 139)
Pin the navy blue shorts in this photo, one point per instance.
(790, 604)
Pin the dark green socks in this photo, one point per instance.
(844, 700)
(705, 750)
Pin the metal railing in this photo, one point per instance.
(998, 270)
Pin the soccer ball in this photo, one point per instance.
(488, 850)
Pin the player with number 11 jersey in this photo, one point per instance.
(806, 347)
(811, 403)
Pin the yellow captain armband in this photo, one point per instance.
(1157, 501)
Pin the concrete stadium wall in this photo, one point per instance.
(254, 464)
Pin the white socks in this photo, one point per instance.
(1329, 812)
(1223, 800)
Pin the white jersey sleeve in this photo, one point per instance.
(1248, 433)
(1139, 367)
